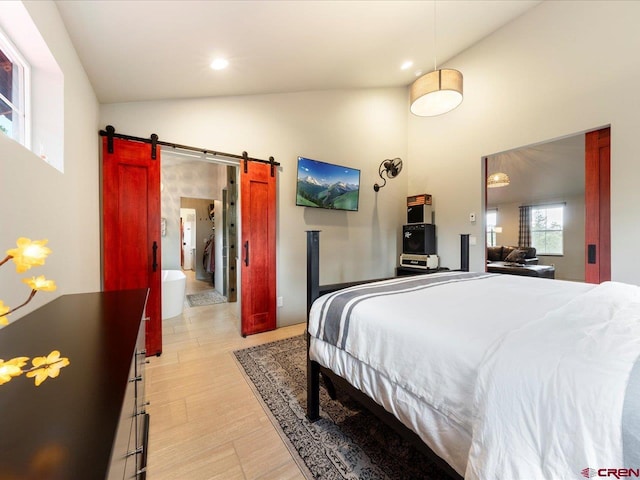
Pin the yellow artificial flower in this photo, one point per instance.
(3, 311)
(49, 366)
(29, 253)
(11, 368)
(40, 283)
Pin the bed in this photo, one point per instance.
(542, 383)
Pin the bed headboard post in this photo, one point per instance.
(464, 252)
(313, 267)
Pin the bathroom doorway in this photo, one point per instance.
(195, 215)
(188, 236)
(198, 237)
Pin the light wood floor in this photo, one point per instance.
(206, 422)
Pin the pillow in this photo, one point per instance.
(494, 254)
(506, 250)
(517, 256)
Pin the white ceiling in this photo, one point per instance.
(150, 50)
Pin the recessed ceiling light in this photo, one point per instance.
(220, 64)
(406, 65)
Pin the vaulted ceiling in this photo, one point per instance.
(149, 50)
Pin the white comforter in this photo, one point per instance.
(560, 410)
(476, 330)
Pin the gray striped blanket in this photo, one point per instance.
(335, 313)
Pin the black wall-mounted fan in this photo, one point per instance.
(391, 167)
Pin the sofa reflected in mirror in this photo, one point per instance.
(517, 261)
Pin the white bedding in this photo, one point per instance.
(446, 438)
(560, 411)
(434, 367)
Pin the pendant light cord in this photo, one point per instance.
(435, 45)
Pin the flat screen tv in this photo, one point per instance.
(325, 185)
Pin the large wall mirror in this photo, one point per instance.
(545, 190)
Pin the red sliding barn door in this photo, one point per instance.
(598, 206)
(131, 227)
(258, 254)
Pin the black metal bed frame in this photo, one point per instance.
(332, 380)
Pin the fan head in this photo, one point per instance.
(390, 167)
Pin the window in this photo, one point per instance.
(492, 220)
(32, 105)
(546, 229)
(14, 79)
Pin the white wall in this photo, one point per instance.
(562, 68)
(38, 201)
(355, 128)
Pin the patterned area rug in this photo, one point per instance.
(347, 442)
(201, 299)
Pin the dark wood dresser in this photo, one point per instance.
(90, 421)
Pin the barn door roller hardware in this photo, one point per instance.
(110, 133)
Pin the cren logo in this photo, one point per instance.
(611, 472)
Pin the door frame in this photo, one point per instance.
(597, 201)
(242, 160)
(598, 184)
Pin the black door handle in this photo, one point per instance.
(591, 253)
(246, 253)
(155, 256)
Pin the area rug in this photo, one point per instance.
(347, 442)
(210, 297)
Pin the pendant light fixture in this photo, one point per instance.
(436, 92)
(498, 179)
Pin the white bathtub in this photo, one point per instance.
(174, 283)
